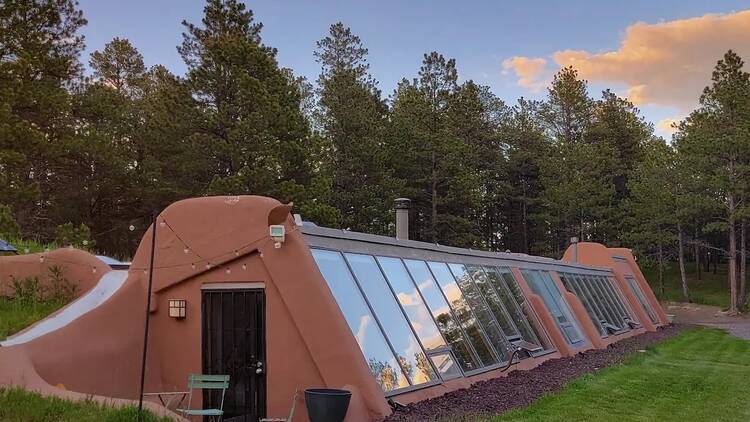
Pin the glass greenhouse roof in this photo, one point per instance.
(423, 313)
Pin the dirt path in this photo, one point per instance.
(709, 316)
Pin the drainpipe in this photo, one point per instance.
(402, 206)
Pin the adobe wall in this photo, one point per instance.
(78, 267)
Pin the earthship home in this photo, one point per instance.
(243, 288)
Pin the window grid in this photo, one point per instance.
(475, 292)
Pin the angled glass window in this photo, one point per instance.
(441, 312)
(525, 320)
(408, 351)
(641, 299)
(481, 310)
(494, 302)
(542, 284)
(383, 364)
(418, 314)
(605, 301)
(463, 312)
(614, 291)
(576, 287)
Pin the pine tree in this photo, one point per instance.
(352, 118)
(39, 49)
(248, 115)
(715, 142)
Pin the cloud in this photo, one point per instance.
(664, 64)
(666, 126)
(529, 71)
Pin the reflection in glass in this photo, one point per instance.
(445, 365)
(502, 282)
(463, 312)
(376, 351)
(493, 301)
(410, 355)
(441, 312)
(542, 284)
(411, 301)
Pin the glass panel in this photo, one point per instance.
(607, 302)
(502, 280)
(543, 285)
(574, 286)
(481, 310)
(494, 302)
(594, 299)
(464, 314)
(408, 351)
(442, 314)
(378, 354)
(411, 301)
(445, 365)
(641, 298)
(616, 295)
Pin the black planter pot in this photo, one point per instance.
(327, 404)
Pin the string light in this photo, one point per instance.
(186, 250)
(229, 270)
(93, 270)
(236, 253)
(131, 228)
(208, 265)
(244, 266)
(192, 265)
(41, 258)
(163, 224)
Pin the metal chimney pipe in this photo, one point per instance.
(402, 206)
(574, 241)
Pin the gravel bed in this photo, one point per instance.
(521, 388)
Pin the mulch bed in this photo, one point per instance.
(521, 388)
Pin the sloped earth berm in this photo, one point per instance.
(521, 388)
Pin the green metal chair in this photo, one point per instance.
(206, 382)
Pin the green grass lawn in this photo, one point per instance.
(17, 405)
(15, 315)
(700, 375)
(711, 289)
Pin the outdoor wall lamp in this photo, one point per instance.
(177, 308)
(278, 234)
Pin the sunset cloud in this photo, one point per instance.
(664, 64)
(667, 126)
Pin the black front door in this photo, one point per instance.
(234, 344)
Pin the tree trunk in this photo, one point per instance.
(743, 265)
(524, 220)
(433, 223)
(697, 253)
(681, 251)
(732, 256)
(661, 269)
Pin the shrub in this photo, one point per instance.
(30, 290)
(69, 235)
(59, 287)
(26, 290)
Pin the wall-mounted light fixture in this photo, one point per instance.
(177, 308)
(278, 234)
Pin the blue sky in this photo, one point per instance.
(480, 35)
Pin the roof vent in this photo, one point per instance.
(402, 206)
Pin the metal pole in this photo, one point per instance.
(148, 311)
